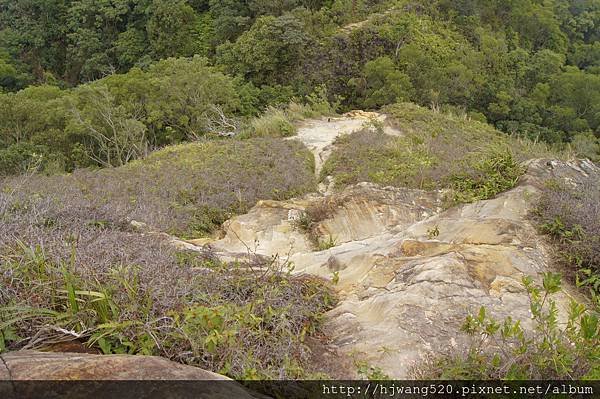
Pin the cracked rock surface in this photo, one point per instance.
(409, 272)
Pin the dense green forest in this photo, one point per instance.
(101, 82)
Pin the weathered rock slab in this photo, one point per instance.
(32, 374)
(32, 365)
(408, 272)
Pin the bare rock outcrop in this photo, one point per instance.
(409, 272)
(32, 365)
(26, 370)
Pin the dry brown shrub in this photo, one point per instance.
(73, 232)
(571, 216)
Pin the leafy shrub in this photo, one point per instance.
(261, 54)
(381, 83)
(586, 145)
(273, 123)
(370, 372)
(571, 217)
(436, 151)
(529, 67)
(280, 122)
(33, 121)
(121, 117)
(227, 318)
(327, 243)
(504, 350)
(19, 158)
(496, 173)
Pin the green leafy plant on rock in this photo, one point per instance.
(494, 174)
(370, 372)
(505, 350)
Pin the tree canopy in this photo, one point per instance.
(167, 68)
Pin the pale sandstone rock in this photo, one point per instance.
(404, 290)
(32, 365)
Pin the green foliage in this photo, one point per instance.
(34, 121)
(370, 372)
(90, 29)
(376, 157)
(335, 278)
(433, 233)
(231, 17)
(528, 67)
(495, 173)
(10, 76)
(232, 320)
(273, 122)
(586, 145)
(20, 158)
(437, 150)
(123, 117)
(170, 28)
(271, 46)
(327, 243)
(505, 350)
(570, 218)
(114, 137)
(281, 121)
(382, 83)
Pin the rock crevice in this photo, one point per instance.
(409, 272)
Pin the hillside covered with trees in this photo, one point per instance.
(97, 83)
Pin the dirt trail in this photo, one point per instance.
(319, 134)
(357, 25)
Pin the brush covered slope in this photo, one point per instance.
(75, 269)
(352, 278)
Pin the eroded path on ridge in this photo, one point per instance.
(407, 271)
(318, 135)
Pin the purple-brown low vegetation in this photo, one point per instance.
(72, 267)
(571, 217)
